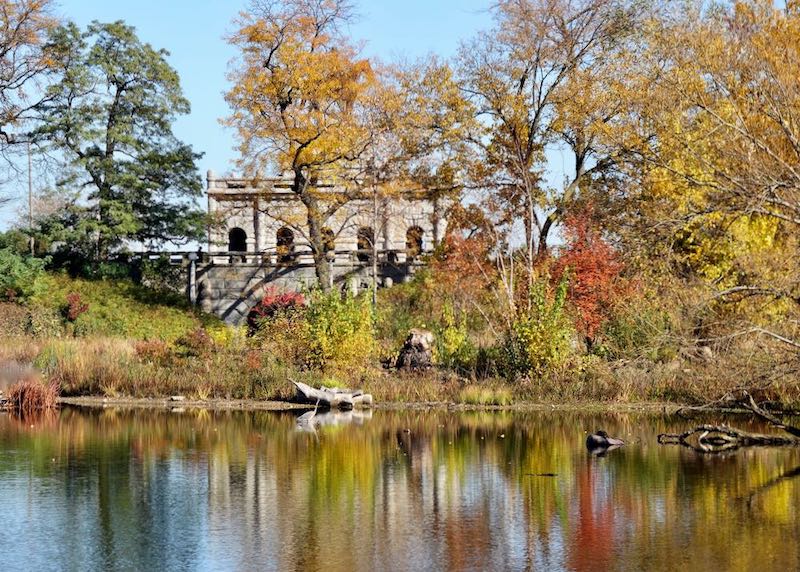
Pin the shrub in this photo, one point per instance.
(20, 276)
(153, 351)
(454, 349)
(639, 329)
(539, 339)
(13, 319)
(119, 309)
(339, 329)
(594, 274)
(159, 274)
(44, 323)
(74, 307)
(272, 303)
(196, 343)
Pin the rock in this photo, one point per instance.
(417, 351)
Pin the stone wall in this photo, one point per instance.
(230, 289)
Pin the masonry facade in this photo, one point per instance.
(259, 240)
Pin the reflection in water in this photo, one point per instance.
(387, 491)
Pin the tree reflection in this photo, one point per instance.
(409, 490)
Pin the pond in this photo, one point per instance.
(413, 490)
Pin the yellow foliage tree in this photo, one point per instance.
(299, 103)
(714, 119)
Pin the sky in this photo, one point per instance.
(193, 31)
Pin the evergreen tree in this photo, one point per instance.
(110, 116)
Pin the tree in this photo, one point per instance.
(110, 114)
(24, 25)
(297, 104)
(541, 79)
(592, 269)
(714, 129)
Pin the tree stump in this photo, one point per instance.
(417, 351)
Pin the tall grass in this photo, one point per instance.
(32, 395)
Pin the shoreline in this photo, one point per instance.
(168, 403)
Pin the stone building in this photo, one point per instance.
(259, 240)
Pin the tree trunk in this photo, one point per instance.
(315, 234)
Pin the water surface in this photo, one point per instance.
(149, 490)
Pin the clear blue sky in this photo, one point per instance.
(193, 32)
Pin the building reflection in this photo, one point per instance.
(399, 490)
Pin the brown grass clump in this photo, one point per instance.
(33, 395)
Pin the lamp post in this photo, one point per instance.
(30, 200)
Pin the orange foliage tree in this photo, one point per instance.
(593, 268)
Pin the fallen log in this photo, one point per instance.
(331, 398)
(719, 438)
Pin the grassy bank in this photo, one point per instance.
(236, 368)
(118, 339)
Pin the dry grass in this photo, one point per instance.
(32, 395)
(482, 395)
(238, 370)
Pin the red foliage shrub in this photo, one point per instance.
(271, 304)
(594, 270)
(74, 307)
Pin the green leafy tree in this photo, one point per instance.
(110, 115)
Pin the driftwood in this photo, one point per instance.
(715, 439)
(719, 438)
(333, 398)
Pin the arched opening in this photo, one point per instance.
(237, 240)
(413, 242)
(284, 239)
(364, 243)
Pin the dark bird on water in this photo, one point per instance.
(601, 440)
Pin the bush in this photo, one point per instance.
(638, 330)
(20, 276)
(272, 303)
(74, 307)
(13, 319)
(333, 331)
(539, 339)
(44, 323)
(159, 274)
(196, 343)
(155, 352)
(118, 309)
(340, 330)
(454, 349)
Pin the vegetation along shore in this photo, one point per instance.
(660, 266)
